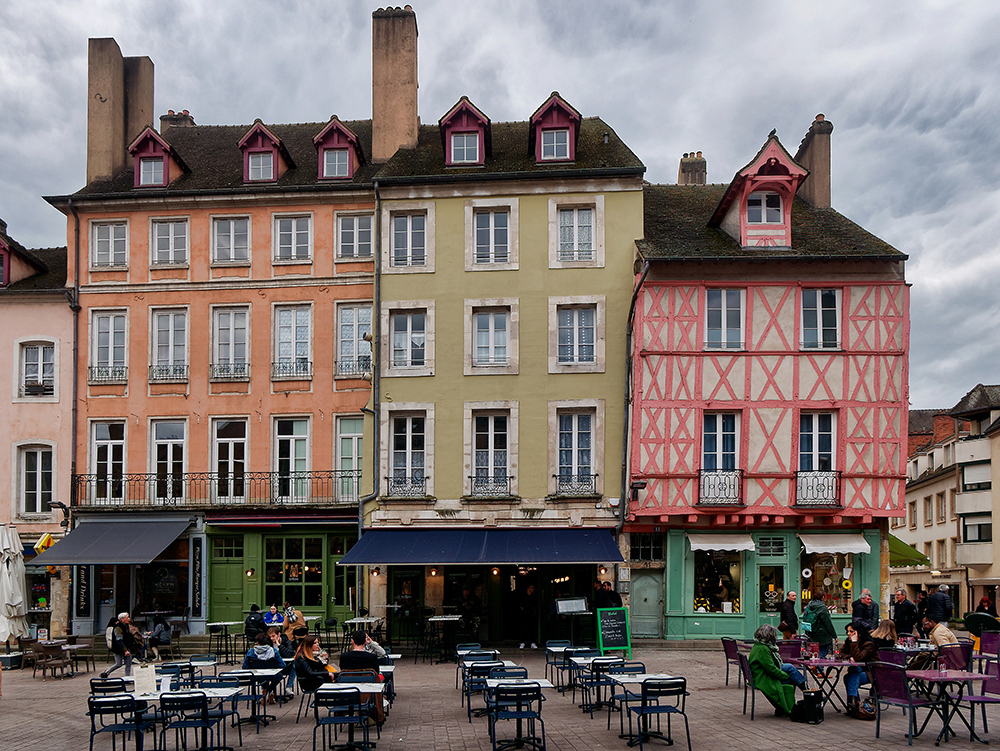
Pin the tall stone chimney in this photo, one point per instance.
(119, 106)
(814, 155)
(693, 169)
(394, 81)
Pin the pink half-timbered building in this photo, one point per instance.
(769, 367)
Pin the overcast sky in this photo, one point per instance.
(910, 87)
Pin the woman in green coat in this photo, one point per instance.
(821, 629)
(776, 680)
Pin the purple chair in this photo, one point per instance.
(893, 689)
(732, 650)
(892, 657)
(989, 643)
(988, 692)
(956, 656)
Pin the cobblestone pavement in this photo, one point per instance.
(38, 715)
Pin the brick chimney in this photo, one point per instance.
(692, 170)
(119, 106)
(814, 155)
(173, 119)
(394, 81)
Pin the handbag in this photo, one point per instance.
(809, 709)
(783, 626)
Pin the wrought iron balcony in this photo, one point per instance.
(485, 486)
(578, 484)
(230, 371)
(168, 372)
(720, 487)
(201, 489)
(45, 387)
(406, 486)
(107, 374)
(817, 489)
(292, 369)
(354, 366)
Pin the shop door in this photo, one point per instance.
(226, 601)
(646, 603)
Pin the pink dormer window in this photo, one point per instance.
(151, 171)
(339, 151)
(465, 134)
(265, 158)
(154, 162)
(764, 208)
(554, 130)
(260, 166)
(555, 144)
(464, 148)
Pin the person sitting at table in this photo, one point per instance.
(938, 633)
(358, 657)
(294, 620)
(264, 655)
(312, 672)
(821, 629)
(986, 606)
(775, 679)
(885, 635)
(859, 648)
(286, 649)
(254, 623)
(159, 636)
(272, 617)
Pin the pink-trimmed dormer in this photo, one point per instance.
(465, 134)
(154, 161)
(340, 153)
(756, 209)
(553, 130)
(4, 263)
(265, 158)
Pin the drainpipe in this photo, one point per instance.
(626, 422)
(74, 305)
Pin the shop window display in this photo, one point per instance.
(829, 576)
(717, 577)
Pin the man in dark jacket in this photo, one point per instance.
(939, 608)
(921, 604)
(254, 624)
(357, 658)
(864, 610)
(904, 615)
(789, 624)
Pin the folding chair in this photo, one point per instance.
(654, 700)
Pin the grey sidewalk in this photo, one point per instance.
(50, 715)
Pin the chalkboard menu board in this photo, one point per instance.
(612, 630)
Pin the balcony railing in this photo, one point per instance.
(720, 487)
(354, 367)
(199, 489)
(490, 362)
(406, 486)
(37, 388)
(292, 369)
(230, 371)
(107, 374)
(168, 372)
(484, 486)
(578, 484)
(817, 489)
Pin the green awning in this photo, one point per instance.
(903, 554)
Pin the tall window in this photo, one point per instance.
(230, 343)
(576, 333)
(576, 234)
(555, 144)
(169, 345)
(492, 243)
(491, 458)
(464, 148)
(354, 353)
(232, 240)
(38, 369)
(261, 166)
(294, 238)
(724, 319)
(408, 339)
(407, 455)
(230, 460)
(409, 240)
(168, 459)
(719, 449)
(151, 171)
(355, 233)
(816, 442)
(293, 570)
(336, 163)
(292, 460)
(36, 480)
(170, 242)
(820, 326)
(349, 456)
(108, 353)
(110, 244)
(293, 341)
(764, 208)
(491, 332)
(575, 446)
(108, 457)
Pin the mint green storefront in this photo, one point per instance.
(730, 583)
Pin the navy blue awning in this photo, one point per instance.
(483, 546)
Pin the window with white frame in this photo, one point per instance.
(724, 318)
(230, 343)
(109, 353)
(231, 239)
(720, 441)
(492, 236)
(491, 330)
(261, 166)
(576, 231)
(107, 456)
(336, 163)
(409, 240)
(292, 342)
(577, 326)
(977, 528)
(764, 208)
(110, 245)
(293, 238)
(229, 446)
(354, 236)
(464, 148)
(816, 430)
(555, 144)
(354, 353)
(151, 171)
(576, 459)
(292, 459)
(576, 234)
(407, 455)
(169, 346)
(409, 338)
(36, 479)
(168, 459)
(491, 453)
(38, 369)
(820, 319)
(350, 431)
(170, 242)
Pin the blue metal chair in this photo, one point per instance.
(476, 676)
(336, 707)
(117, 714)
(230, 713)
(552, 659)
(186, 711)
(620, 695)
(594, 681)
(655, 700)
(523, 704)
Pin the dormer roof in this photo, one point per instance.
(555, 112)
(465, 116)
(329, 134)
(150, 134)
(150, 144)
(262, 131)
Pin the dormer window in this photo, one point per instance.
(4, 266)
(151, 171)
(464, 148)
(764, 208)
(338, 150)
(155, 164)
(261, 166)
(265, 158)
(555, 144)
(336, 163)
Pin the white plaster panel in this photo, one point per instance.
(682, 441)
(860, 431)
(781, 335)
(764, 454)
(656, 322)
(654, 378)
(717, 384)
(771, 378)
(683, 378)
(814, 384)
(762, 495)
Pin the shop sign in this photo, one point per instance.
(81, 579)
(197, 544)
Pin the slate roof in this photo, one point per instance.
(922, 420)
(980, 399)
(676, 229)
(51, 265)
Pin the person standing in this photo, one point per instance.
(123, 645)
(528, 613)
(986, 606)
(864, 610)
(939, 607)
(904, 615)
(789, 624)
(921, 610)
(614, 599)
(821, 629)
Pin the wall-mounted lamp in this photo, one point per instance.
(366, 376)
(602, 569)
(434, 572)
(496, 571)
(250, 572)
(376, 571)
(367, 336)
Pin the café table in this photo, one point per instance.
(826, 681)
(637, 678)
(366, 690)
(259, 676)
(519, 739)
(227, 657)
(950, 702)
(585, 663)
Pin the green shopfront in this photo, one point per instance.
(730, 583)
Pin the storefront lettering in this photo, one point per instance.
(196, 576)
(82, 582)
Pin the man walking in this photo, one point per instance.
(939, 608)
(904, 614)
(789, 624)
(864, 610)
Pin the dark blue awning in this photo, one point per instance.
(483, 546)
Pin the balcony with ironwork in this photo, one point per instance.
(32, 389)
(208, 489)
(168, 373)
(229, 371)
(107, 374)
(574, 485)
(817, 489)
(720, 487)
(406, 486)
(490, 486)
(354, 367)
(291, 370)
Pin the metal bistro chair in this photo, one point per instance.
(654, 700)
(522, 703)
(220, 710)
(956, 656)
(592, 684)
(186, 711)
(56, 657)
(893, 689)
(987, 693)
(117, 714)
(339, 706)
(732, 649)
(475, 683)
(892, 656)
(989, 643)
(372, 703)
(748, 684)
(464, 647)
(462, 668)
(491, 703)
(575, 671)
(553, 659)
(248, 694)
(620, 695)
